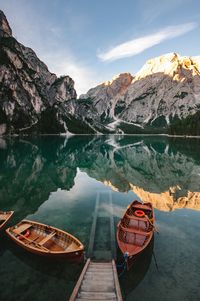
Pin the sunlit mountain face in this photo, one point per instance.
(163, 171)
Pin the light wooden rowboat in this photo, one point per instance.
(45, 240)
(4, 218)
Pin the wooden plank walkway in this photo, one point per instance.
(98, 281)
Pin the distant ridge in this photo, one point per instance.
(165, 90)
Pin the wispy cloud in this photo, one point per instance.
(154, 9)
(138, 45)
(48, 39)
(84, 77)
(66, 64)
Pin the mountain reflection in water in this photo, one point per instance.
(160, 170)
(56, 180)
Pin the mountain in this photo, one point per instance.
(35, 101)
(32, 99)
(165, 90)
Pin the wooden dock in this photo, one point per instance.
(98, 281)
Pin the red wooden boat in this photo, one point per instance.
(135, 230)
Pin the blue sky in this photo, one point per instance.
(92, 40)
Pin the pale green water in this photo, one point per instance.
(56, 181)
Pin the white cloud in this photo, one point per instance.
(62, 63)
(83, 76)
(138, 45)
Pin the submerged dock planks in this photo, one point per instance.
(102, 213)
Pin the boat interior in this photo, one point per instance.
(132, 238)
(44, 237)
(147, 210)
(136, 230)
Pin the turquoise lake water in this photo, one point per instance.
(57, 180)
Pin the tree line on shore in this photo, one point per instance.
(187, 126)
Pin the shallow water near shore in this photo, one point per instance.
(57, 180)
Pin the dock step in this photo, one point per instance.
(98, 281)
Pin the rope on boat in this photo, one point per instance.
(155, 261)
(123, 271)
(123, 264)
(120, 265)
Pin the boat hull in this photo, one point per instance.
(135, 231)
(77, 256)
(131, 259)
(49, 248)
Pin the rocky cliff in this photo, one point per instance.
(166, 89)
(5, 30)
(106, 95)
(32, 99)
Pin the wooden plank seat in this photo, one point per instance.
(140, 206)
(145, 233)
(29, 241)
(22, 228)
(47, 238)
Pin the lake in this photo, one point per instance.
(57, 180)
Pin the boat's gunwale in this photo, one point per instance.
(41, 249)
(10, 214)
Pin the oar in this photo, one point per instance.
(152, 224)
(33, 242)
(155, 260)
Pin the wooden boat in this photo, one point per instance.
(5, 216)
(135, 230)
(45, 240)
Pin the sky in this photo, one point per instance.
(92, 41)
